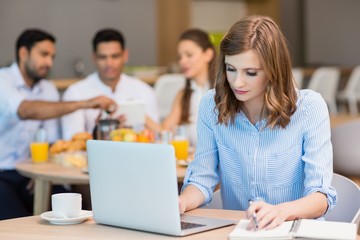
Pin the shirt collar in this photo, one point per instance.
(259, 125)
(122, 83)
(195, 87)
(19, 79)
(20, 82)
(105, 87)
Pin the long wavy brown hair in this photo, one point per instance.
(262, 35)
(201, 39)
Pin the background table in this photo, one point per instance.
(46, 174)
(337, 120)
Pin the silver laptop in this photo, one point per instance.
(134, 185)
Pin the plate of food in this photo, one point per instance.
(71, 153)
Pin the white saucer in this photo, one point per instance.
(65, 221)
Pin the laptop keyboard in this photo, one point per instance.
(188, 225)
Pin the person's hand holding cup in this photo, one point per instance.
(39, 148)
(66, 205)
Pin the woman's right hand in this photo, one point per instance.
(190, 198)
(268, 216)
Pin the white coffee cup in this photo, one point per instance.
(66, 205)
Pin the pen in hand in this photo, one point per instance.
(254, 218)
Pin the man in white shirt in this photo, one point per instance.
(27, 103)
(110, 55)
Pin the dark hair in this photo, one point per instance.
(30, 37)
(262, 35)
(108, 35)
(201, 39)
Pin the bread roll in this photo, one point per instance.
(82, 136)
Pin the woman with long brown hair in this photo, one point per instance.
(259, 136)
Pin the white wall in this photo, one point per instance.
(216, 16)
(332, 34)
(74, 23)
(332, 30)
(290, 21)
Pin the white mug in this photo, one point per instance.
(66, 205)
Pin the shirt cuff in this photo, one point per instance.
(206, 194)
(331, 198)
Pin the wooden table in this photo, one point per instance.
(63, 84)
(35, 228)
(46, 174)
(336, 120)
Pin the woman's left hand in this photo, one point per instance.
(268, 216)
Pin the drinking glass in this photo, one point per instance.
(39, 148)
(181, 144)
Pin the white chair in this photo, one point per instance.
(166, 87)
(298, 76)
(345, 139)
(325, 80)
(216, 202)
(347, 208)
(351, 92)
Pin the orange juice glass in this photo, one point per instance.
(181, 148)
(39, 151)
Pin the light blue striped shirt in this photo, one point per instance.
(16, 134)
(275, 165)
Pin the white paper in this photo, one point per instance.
(134, 112)
(280, 232)
(326, 230)
(312, 229)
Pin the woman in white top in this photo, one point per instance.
(196, 54)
